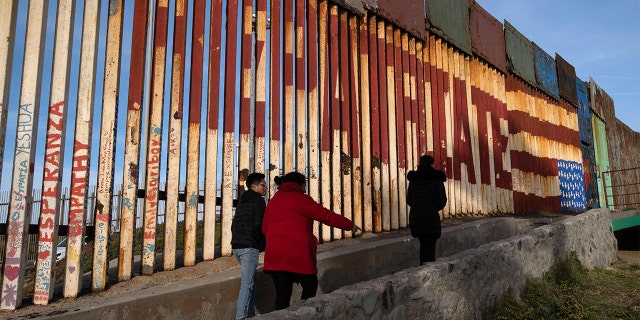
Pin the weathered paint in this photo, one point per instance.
(54, 157)
(192, 191)
(175, 129)
(450, 20)
(572, 191)
(345, 123)
(335, 95)
(276, 94)
(356, 132)
(487, 37)
(406, 14)
(520, 60)
(228, 138)
(546, 74)
(383, 91)
(132, 148)
(587, 145)
(154, 142)
(566, 80)
(601, 152)
(107, 142)
(259, 153)
(288, 64)
(376, 156)
(313, 107)
(19, 214)
(392, 164)
(325, 121)
(401, 46)
(367, 125)
(246, 87)
(8, 10)
(301, 122)
(82, 143)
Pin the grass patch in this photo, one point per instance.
(571, 291)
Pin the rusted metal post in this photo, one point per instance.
(367, 124)
(345, 123)
(176, 115)
(228, 136)
(19, 214)
(246, 87)
(401, 45)
(313, 111)
(288, 138)
(376, 155)
(334, 87)
(356, 164)
(392, 136)
(301, 122)
(213, 107)
(325, 120)
(108, 145)
(192, 192)
(81, 153)
(275, 97)
(154, 142)
(9, 12)
(259, 143)
(132, 144)
(54, 156)
(383, 92)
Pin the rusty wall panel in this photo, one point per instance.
(406, 14)
(601, 151)
(487, 37)
(567, 80)
(546, 74)
(450, 20)
(587, 145)
(520, 58)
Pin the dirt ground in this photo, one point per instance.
(204, 268)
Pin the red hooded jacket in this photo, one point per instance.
(288, 227)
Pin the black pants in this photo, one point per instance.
(427, 248)
(283, 281)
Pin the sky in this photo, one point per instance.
(601, 39)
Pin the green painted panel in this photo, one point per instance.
(602, 159)
(626, 222)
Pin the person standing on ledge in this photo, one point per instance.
(247, 241)
(290, 255)
(426, 196)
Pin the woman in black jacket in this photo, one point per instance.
(426, 196)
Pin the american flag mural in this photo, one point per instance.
(572, 194)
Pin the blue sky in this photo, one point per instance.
(600, 39)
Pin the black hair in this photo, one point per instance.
(292, 176)
(253, 179)
(426, 163)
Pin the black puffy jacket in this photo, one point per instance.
(426, 196)
(246, 228)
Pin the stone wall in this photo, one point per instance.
(460, 286)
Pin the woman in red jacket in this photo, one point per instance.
(290, 255)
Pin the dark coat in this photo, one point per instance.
(426, 196)
(288, 226)
(246, 228)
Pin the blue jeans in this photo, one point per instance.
(248, 259)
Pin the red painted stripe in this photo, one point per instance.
(345, 90)
(421, 117)
(138, 40)
(276, 90)
(333, 73)
(413, 74)
(375, 86)
(195, 94)
(386, 59)
(288, 76)
(230, 67)
(399, 53)
(245, 68)
(323, 35)
(355, 90)
(215, 45)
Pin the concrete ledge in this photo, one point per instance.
(462, 285)
(340, 263)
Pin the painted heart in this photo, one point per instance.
(43, 255)
(11, 272)
(72, 269)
